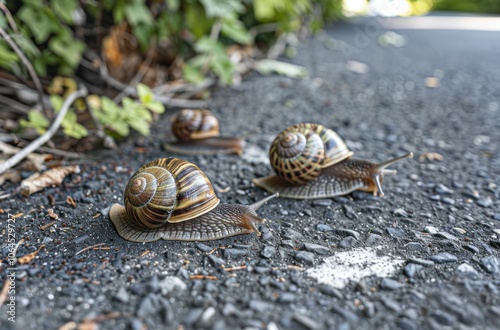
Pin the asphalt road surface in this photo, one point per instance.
(426, 256)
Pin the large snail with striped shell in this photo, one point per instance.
(311, 161)
(197, 133)
(172, 199)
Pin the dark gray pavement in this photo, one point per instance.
(428, 254)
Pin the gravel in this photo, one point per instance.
(439, 219)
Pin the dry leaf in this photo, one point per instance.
(29, 257)
(430, 156)
(11, 175)
(34, 162)
(55, 176)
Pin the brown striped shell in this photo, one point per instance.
(168, 190)
(192, 124)
(300, 152)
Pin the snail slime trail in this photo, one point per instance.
(197, 133)
(172, 199)
(311, 161)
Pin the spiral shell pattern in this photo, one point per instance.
(191, 124)
(168, 190)
(299, 152)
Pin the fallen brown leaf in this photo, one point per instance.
(430, 156)
(38, 181)
(26, 259)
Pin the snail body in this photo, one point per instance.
(197, 133)
(311, 161)
(172, 199)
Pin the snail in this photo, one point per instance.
(311, 161)
(197, 132)
(172, 199)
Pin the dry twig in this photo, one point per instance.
(47, 135)
(89, 248)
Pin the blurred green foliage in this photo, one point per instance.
(476, 6)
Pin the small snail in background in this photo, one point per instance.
(172, 199)
(312, 161)
(197, 133)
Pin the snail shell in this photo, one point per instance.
(173, 199)
(311, 161)
(197, 132)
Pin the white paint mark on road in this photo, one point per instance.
(354, 265)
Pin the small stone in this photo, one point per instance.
(203, 247)
(497, 217)
(148, 306)
(485, 202)
(445, 235)
(390, 284)
(306, 322)
(411, 313)
(292, 234)
(364, 196)
(431, 230)
(400, 212)
(322, 202)
(266, 236)
(235, 253)
(122, 295)
(287, 297)
(288, 243)
(414, 246)
(448, 200)
(422, 262)
(323, 228)
(495, 244)
(207, 316)
(443, 190)
(268, 252)
(348, 242)
(443, 318)
(405, 324)
(491, 264)
(230, 310)
(347, 232)
(466, 269)
(412, 269)
(373, 239)
(444, 257)
(395, 232)
(331, 291)
(193, 315)
(391, 304)
(316, 248)
(305, 257)
(349, 212)
(260, 306)
(435, 198)
(459, 230)
(472, 248)
(172, 286)
(308, 212)
(215, 261)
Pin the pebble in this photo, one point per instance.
(495, 244)
(349, 212)
(348, 242)
(448, 200)
(206, 317)
(287, 297)
(306, 322)
(331, 291)
(288, 243)
(266, 236)
(414, 246)
(400, 212)
(390, 284)
(485, 202)
(471, 248)
(497, 217)
(316, 248)
(235, 253)
(395, 232)
(260, 306)
(292, 234)
(148, 306)
(172, 286)
(203, 247)
(459, 230)
(412, 269)
(305, 257)
(215, 261)
(491, 264)
(323, 228)
(443, 318)
(348, 315)
(391, 304)
(444, 257)
(361, 195)
(342, 200)
(443, 190)
(193, 315)
(435, 197)
(268, 251)
(466, 269)
(422, 262)
(445, 235)
(122, 295)
(373, 239)
(431, 230)
(347, 232)
(322, 202)
(405, 324)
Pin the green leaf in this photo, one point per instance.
(197, 22)
(40, 24)
(67, 47)
(137, 13)
(173, 5)
(35, 120)
(141, 126)
(235, 30)
(223, 67)
(155, 106)
(7, 57)
(110, 106)
(56, 101)
(120, 127)
(65, 9)
(222, 8)
(143, 34)
(145, 93)
(192, 73)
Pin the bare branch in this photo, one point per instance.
(82, 92)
